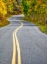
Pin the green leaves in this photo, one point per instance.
(25, 6)
(35, 8)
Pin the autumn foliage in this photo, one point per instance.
(7, 7)
(35, 9)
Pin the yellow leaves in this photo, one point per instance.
(13, 1)
(0, 1)
(38, 2)
(4, 12)
(7, 6)
(43, 5)
(36, 7)
(10, 10)
(2, 8)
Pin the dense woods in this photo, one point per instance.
(7, 7)
(34, 10)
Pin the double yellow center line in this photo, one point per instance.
(16, 45)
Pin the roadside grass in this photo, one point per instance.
(4, 23)
(8, 15)
(42, 26)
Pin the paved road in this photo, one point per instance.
(33, 43)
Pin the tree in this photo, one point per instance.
(36, 9)
(3, 10)
(25, 6)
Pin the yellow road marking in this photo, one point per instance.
(16, 43)
(14, 50)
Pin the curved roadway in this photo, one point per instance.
(32, 42)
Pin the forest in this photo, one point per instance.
(8, 8)
(34, 10)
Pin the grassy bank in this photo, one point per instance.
(4, 23)
(42, 26)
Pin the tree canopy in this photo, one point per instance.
(7, 7)
(36, 9)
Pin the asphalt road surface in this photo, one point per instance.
(32, 43)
